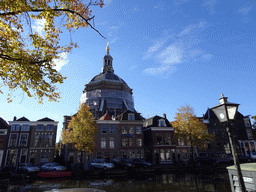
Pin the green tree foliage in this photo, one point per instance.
(81, 130)
(190, 128)
(26, 56)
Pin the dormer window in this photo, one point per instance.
(161, 123)
(131, 117)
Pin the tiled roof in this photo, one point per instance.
(105, 117)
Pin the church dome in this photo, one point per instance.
(111, 77)
(106, 92)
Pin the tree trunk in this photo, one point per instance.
(81, 160)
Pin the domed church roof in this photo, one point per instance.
(107, 77)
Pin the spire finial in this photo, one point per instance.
(108, 48)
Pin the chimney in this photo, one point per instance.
(164, 116)
(14, 118)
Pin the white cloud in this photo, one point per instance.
(107, 3)
(172, 50)
(210, 5)
(154, 48)
(246, 8)
(39, 25)
(190, 28)
(59, 63)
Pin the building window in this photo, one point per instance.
(161, 123)
(103, 129)
(50, 127)
(13, 140)
(139, 142)
(32, 157)
(103, 142)
(3, 132)
(130, 117)
(131, 130)
(40, 127)
(99, 155)
(23, 155)
(11, 157)
(15, 127)
(180, 141)
(132, 142)
(124, 142)
(159, 139)
(38, 140)
(138, 130)
(167, 139)
(124, 130)
(111, 143)
(48, 140)
(23, 139)
(25, 127)
(111, 129)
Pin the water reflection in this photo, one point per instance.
(180, 182)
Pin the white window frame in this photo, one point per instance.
(3, 132)
(50, 125)
(103, 126)
(103, 143)
(51, 141)
(111, 143)
(138, 132)
(21, 154)
(161, 123)
(16, 139)
(26, 140)
(131, 130)
(14, 127)
(39, 129)
(131, 117)
(124, 128)
(139, 142)
(22, 129)
(8, 154)
(112, 127)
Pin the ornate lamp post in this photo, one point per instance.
(226, 111)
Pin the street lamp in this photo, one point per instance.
(226, 111)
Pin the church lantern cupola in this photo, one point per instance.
(107, 62)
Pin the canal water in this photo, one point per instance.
(167, 182)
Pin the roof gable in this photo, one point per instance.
(23, 119)
(45, 119)
(105, 117)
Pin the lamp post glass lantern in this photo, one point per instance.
(226, 111)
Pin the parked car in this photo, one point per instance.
(141, 163)
(101, 164)
(52, 167)
(224, 158)
(205, 161)
(122, 163)
(27, 168)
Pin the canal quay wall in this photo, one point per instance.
(156, 169)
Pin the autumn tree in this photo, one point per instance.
(188, 127)
(81, 131)
(26, 55)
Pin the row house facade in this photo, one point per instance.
(161, 146)
(3, 140)
(30, 141)
(242, 132)
(116, 137)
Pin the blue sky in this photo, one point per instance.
(170, 52)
